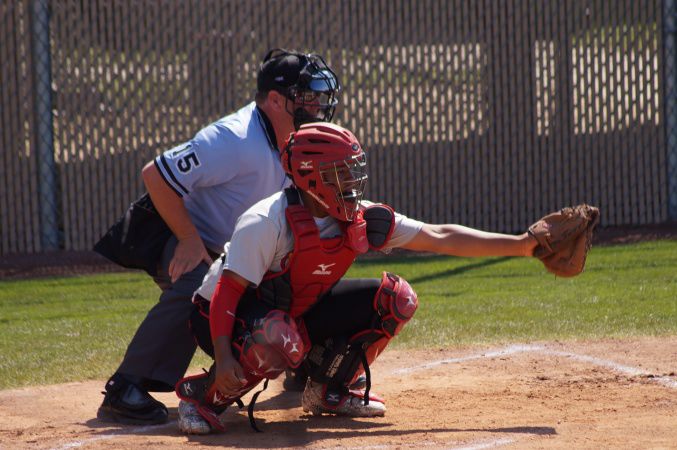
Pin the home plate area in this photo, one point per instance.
(576, 394)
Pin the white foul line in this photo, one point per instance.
(479, 445)
(627, 370)
(486, 444)
(492, 354)
(512, 349)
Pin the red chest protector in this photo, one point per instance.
(314, 265)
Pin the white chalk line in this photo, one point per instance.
(513, 349)
(627, 370)
(113, 435)
(490, 354)
(478, 445)
(485, 444)
(510, 350)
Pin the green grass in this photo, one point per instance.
(67, 329)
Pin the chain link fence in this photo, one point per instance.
(482, 112)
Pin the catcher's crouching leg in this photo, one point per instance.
(337, 363)
(274, 343)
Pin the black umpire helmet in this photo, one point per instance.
(309, 85)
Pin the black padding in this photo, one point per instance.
(276, 292)
(293, 197)
(333, 362)
(380, 220)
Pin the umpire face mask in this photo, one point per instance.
(315, 95)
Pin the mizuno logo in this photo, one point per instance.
(306, 164)
(333, 398)
(322, 269)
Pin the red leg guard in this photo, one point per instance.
(200, 390)
(339, 362)
(395, 303)
(274, 344)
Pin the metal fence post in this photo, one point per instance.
(670, 77)
(44, 126)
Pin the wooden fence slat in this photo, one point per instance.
(487, 113)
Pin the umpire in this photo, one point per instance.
(199, 189)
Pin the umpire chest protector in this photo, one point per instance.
(315, 265)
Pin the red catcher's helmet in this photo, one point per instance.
(328, 163)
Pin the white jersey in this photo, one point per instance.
(226, 168)
(263, 238)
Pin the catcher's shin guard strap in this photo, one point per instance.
(250, 408)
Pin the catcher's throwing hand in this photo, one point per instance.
(229, 376)
(564, 239)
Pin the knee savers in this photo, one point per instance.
(338, 361)
(274, 344)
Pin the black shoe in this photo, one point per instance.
(125, 402)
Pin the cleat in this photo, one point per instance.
(190, 421)
(317, 400)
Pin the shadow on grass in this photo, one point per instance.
(459, 270)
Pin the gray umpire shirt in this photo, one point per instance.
(227, 167)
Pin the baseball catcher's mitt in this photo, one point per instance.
(564, 238)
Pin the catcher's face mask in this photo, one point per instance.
(347, 179)
(328, 163)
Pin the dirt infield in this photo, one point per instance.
(601, 394)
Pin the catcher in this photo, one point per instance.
(278, 298)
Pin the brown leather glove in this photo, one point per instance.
(564, 238)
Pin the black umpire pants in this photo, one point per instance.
(163, 346)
